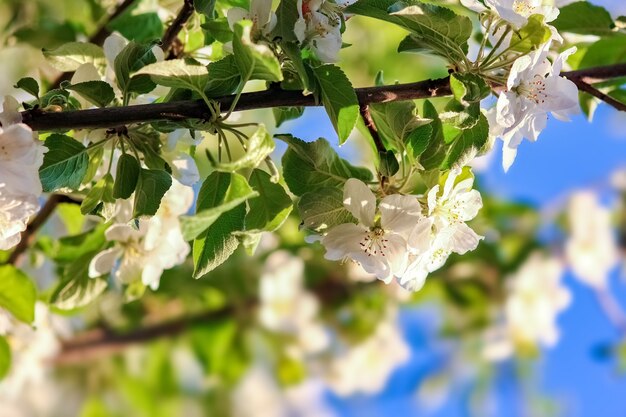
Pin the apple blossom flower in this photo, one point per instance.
(516, 12)
(319, 27)
(263, 18)
(157, 244)
(591, 248)
(534, 89)
(20, 158)
(379, 246)
(14, 214)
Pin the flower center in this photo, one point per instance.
(522, 7)
(534, 90)
(374, 242)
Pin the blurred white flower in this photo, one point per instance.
(591, 248)
(380, 247)
(286, 307)
(176, 154)
(14, 214)
(155, 245)
(367, 366)
(534, 89)
(319, 27)
(535, 297)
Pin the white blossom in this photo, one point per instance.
(591, 248)
(20, 158)
(534, 89)
(176, 154)
(319, 27)
(14, 214)
(263, 18)
(516, 12)
(379, 245)
(157, 244)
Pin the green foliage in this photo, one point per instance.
(323, 208)
(143, 27)
(400, 127)
(224, 77)
(270, 209)
(467, 142)
(29, 85)
(130, 60)
(255, 61)
(388, 164)
(468, 88)
(5, 357)
(69, 56)
(99, 93)
(312, 165)
(17, 293)
(606, 51)
(151, 187)
(339, 99)
(65, 163)
(259, 146)
(434, 153)
(177, 73)
(101, 192)
(76, 289)
(531, 36)
(283, 114)
(584, 18)
(206, 7)
(286, 16)
(127, 176)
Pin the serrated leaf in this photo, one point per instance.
(99, 93)
(388, 164)
(29, 85)
(468, 88)
(17, 293)
(338, 98)
(283, 114)
(418, 140)
(131, 59)
(323, 208)
(270, 209)
(5, 357)
(151, 187)
(255, 61)
(65, 163)
(312, 165)
(101, 192)
(126, 177)
(395, 122)
(224, 77)
(434, 154)
(286, 17)
(68, 57)
(220, 192)
(177, 73)
(468, 142)
(584, 18)
(259, 146)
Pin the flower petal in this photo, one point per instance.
(360, 201)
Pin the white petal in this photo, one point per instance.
(360, 201)
(235, 15)
(420, 237)
(120, 233)
(104, 262)
(399, 212)
(342, 240)
(508, 157)
(463, 239)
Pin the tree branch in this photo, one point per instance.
(589, 89)
(171, 34)
(371, 126)
(197, 109)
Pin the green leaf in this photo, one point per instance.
(126, 177)
(468, 88)
(433, 28)
(148, 142)
(206, 7)
(418, 140)
(131, 59)
(607, 51)
(532, 35)
(142, 27)
(17, 293)
(339, 99)
(584, 18)
(434, 154)
(217, 29)
(255, 61)
(224, 77)
(177, 73)
(396, 121)
(65, 163)
(5, 357)
(283, 114)
(308, 166)
(220, 192)
(76, 289)
(151, 187)
(70, 248)
(68, 57)
(100, 193)
(286, 17)
(323, 208)
(99, 93)
(29, 85)
(259, 146)
(388, 164)
(270, 209)
(468, 142)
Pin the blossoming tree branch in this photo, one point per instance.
(118, 139)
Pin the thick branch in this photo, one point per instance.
(589, 89)
(171, 34)
(116, 116)
(371, 126)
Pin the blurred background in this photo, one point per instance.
(285, 333)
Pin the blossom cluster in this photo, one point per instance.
(400, 238)
(21, 155)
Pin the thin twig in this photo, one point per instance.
(589, 89)
(371, 126)
(171, 34)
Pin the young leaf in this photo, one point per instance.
(339, 99)
(68, 57)
(434, 154)
(396, 122)
(5, 357)
(177, 73)
(323, 208)
(270, 209)
(532, 35)
(468, 142)
(221, 192)
(131, 59)
(17, 293)
(100, 193)
(468, 88)
(29, 85)
(259, 146)
(151, 187)
(255, 61)
(99, 93)
(308, 166)
(224, 77)
(65, 163)
(127, 176)
(283, 114)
